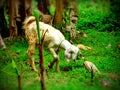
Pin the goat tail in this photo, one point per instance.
(28, 21)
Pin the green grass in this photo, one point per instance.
(97, 15)
(73, 75)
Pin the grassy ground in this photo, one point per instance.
(73, 75)
(99, 23)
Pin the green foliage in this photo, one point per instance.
(97, 15)
(100, 23)
(36, 14)
(52, 10)
(73, 75)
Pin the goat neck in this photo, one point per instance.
(65, 44)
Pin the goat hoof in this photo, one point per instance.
(50, 66)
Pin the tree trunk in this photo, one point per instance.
(20, 15)
(13, 27)
(41, 66)
(28, 7)
(3, 24)
(58, 13)
(43, 6)
(20, 82)
(16, 17)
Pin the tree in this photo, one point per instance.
(16, 16)
(3, 24)
(43, 6)
(20, 15)
(11, 10)
(58, 12)
(28, 7)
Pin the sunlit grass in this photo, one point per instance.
(72, 75)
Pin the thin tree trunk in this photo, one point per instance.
(20, 81)
(20, 15)
(28, 7)
(41, 66)
(58, 13)
(3, 24)
(13, 27)
(41, 57)
(43, 6)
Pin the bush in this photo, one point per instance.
(101, 23)
(97, 16)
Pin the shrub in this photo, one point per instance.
(97, 16)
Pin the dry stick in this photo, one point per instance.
(20, 81)
(41, 65)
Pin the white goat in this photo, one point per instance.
(53, 39)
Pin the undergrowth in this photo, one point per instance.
(73, 75)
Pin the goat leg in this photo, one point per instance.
(30, 54)
(57, 65)
(52, 63)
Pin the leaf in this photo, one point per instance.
(14, 64)
(36, 14)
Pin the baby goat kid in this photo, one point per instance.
(53, 39)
